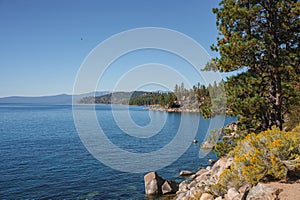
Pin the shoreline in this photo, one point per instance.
(202, 185)
(180, 109)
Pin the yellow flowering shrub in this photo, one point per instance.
(269, 154)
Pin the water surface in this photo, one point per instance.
(42, 156)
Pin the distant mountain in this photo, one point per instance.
(63, 99)
(112, 98)
(77, 98)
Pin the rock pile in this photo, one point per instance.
(199, 186)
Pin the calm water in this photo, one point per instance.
(42, 156)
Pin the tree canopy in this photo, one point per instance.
(261, 37)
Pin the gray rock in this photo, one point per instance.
(204, 177)
(183, 185)
(232, 193)
(219, 166)
(192, 177)
(201, 171)
(206, 196)
(218, 198)
(212, 161)
(189, 194)
(192, 189)
(263, 192)
(169, 187)
(186, 173)
(192, 184)
(184, 189)
(244, 188)
(199, 185)
(180, 196)
(153, 183)
(196, 193)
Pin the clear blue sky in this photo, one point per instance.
(44, 42)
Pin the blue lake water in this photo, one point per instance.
(42, 156)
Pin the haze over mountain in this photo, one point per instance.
(54, 99)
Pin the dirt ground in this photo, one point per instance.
(291, 191)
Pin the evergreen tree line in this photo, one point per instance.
(209, 100)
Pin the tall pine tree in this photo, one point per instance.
(261, 37)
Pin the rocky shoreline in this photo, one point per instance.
(202, 185)
(176, 109)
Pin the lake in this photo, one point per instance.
(43, 157)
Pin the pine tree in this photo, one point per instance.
(162, 99)
(261, 37)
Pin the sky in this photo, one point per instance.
(44, 43)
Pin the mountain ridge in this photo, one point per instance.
(64, 99)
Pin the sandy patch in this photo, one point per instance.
(291, 191)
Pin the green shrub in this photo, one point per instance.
(225, 146)
(270, 154)
(218, 189)
(228, 142)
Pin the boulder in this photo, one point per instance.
(206, 196)
(244, 190)
(232, 193)
(183, 186)
(196, 192)
(212, 161)
(201, 171)
(204, 178)
(219, 166)
(186, 173)
(192, 177)
(192, 184)
(262, 192)
(153, 183)
(180, 196)
(169, 187)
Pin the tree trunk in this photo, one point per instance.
(278, 103)
(275, 100)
